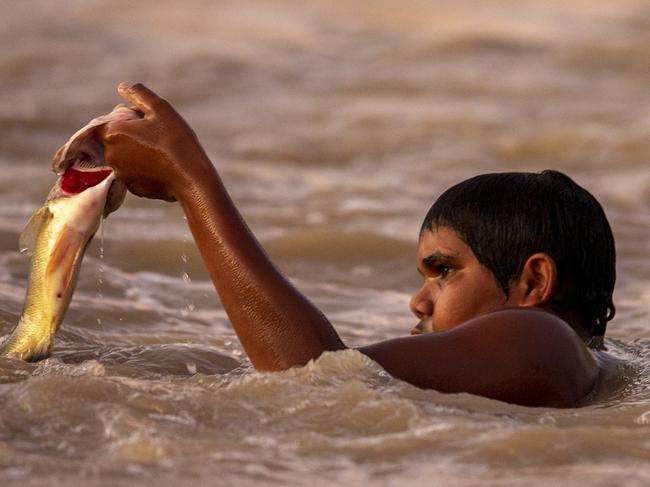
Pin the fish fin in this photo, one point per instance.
(29, 235)
(64, 256)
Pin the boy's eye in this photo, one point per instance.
(439, 272)
(442, 271)
(438, 266)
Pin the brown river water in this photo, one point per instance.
(334, 125)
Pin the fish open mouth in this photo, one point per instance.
(74, 181)
(86, 168)
(80, 162)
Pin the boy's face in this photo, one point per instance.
(456, 286)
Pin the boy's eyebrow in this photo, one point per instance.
(436, 259)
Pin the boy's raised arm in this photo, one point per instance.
(160, 157)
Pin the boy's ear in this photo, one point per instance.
(537, 282)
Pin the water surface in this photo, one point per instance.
(334, 127)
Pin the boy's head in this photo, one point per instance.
(505, 218)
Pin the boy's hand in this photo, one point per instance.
(158, 156)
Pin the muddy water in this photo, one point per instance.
(334, 127)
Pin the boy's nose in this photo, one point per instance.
(421, 303)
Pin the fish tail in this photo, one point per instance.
(25, 346)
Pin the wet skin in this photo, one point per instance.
(456, 286)
(486, 343)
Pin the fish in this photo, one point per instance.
(59, 232)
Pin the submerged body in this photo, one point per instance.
(58, 233)
(522, 340)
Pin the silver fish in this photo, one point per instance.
(58, 233)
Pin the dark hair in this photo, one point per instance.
(507, 217)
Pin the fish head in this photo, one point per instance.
(80, 162)
(84, 150)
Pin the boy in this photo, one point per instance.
(518, 273)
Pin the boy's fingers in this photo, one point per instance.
(122, 122)
(141, 97)
(113, 128)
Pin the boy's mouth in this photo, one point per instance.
(422, 327)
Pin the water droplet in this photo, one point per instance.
(101, 238)
(100, 269)
(187, 309)
(191, 367)
(189, 306)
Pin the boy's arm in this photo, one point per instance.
(521, 356)
(160, 157)
(277, 325)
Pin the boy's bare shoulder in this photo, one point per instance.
(523, 356)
